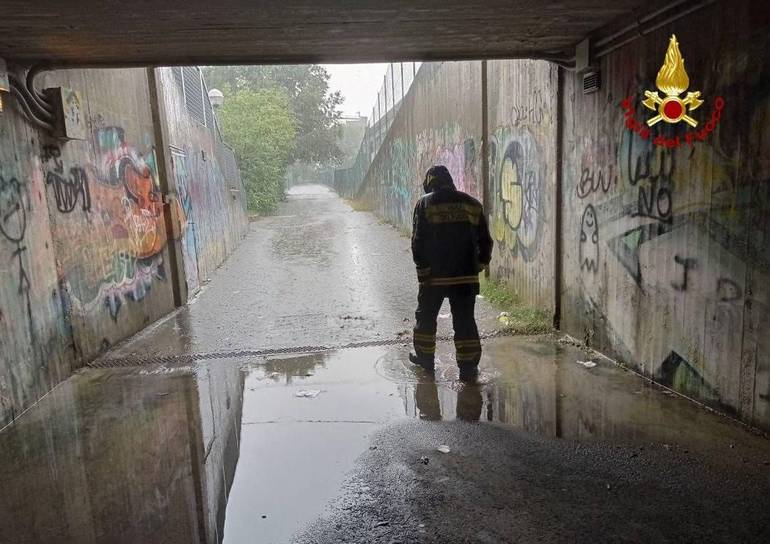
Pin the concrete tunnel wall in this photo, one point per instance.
(84, 251)
(439, 122)
(522, 162)
(208, 184)
(674, 279)
(665, 253)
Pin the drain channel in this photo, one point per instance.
(188, 358)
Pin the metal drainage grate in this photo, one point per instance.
(189, 358)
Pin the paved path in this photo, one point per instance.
(316, 274)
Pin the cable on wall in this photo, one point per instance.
(33, 104)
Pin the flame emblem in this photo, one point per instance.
(672, 81)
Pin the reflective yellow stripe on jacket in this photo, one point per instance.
(453, 212)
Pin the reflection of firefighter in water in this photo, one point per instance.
(469, 402)
(450, 245)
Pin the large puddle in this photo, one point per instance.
(251, 451)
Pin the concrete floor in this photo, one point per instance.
(217, 444)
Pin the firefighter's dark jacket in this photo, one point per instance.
(450, 238)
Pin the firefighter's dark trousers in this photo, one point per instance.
(462, 302)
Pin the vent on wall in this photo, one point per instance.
(193, 93)
(592, 82)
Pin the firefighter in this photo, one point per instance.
(451, 245)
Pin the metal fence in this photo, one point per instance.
(191, 83)
(195, 94)
(229, 166)
(396, 83)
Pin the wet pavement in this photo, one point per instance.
(316, 274)
(341, 445)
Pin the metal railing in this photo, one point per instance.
(195, 94)
(396, 83)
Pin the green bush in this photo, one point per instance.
(515, 316)
(261, 128)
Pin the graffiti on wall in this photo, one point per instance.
(648, 176)
(589, 240)
(69, 188)
(686, 263)
(459, 158)
(401, 184)
(14, 206)
(678, 373)
(516, 178)
(535, 112)
(122, 209)
(594, 180)
(644, 211)
(727, 290)
(206, 189)
(686, 225)
(651, 171)
(185, 218)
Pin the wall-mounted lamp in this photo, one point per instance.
(216, 98)
(5, 85)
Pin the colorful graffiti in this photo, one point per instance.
(460, 159)
(208, 206)
(680, 374)
(185, 216)
(123, 221)
(411, 158)
(517, 178)
(402, 182)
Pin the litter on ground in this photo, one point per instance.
(308, 393)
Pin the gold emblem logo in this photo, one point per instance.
(672, 81)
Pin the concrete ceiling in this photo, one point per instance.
(165, 32)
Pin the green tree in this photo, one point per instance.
(316, 110)
(261, 128)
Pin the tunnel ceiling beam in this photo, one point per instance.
(99, 33)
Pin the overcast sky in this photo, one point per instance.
(359, 84)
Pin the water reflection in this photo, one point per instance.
(226, 451)
(468, 404)
(536, 385)
(296, 450)
(289, 370)
(119, 456)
